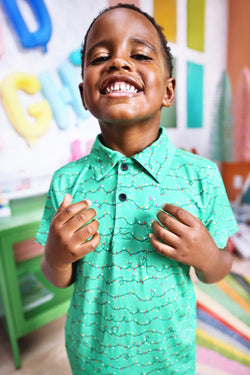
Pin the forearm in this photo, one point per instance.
(217, 268)
(60, 278)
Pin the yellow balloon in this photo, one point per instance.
(40, 111)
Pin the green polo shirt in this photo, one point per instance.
(133, 311)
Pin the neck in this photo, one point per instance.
(129, 140)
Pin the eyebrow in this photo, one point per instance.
(133, 40)
(139, 41)
(102, 43)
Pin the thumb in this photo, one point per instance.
(67, 200)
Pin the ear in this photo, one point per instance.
(81, 86)
(170, 92)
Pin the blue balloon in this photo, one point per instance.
(29, 39)
(75, 57)
(60, 98)
(54, 97)
(68, 75)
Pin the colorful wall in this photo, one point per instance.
(235, 173)
(43, 124)
(238, 40)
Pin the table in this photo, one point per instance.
(28, 300)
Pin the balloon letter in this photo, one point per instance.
(30, 39)
(52, 94)
(70, 80)
(75, 57)
(40, 111)
(76, 150)
(1, 43)
(67, 95)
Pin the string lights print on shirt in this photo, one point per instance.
(165, 13)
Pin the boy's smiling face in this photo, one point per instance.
(125, 75)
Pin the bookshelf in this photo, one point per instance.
(28, 300)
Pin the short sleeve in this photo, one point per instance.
(218, 216)
(50, 208)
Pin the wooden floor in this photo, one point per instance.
(43, 351)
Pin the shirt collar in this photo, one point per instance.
(155, 159)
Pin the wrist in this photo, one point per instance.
(59, 276)
(54, 264)
(216, 268)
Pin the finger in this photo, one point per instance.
(172, 224)
(86, 232)
(180, 214)
(165, 235)
(67, 200)
(162, 248)
(67, 212)
(80, 219)
(89, 246)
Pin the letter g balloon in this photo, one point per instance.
(39, 111)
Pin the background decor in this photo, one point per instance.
(39, 111)
(29, 39)
(168, 114)
(196, 24)
(194, 95)
(165, 15)
(223, 328)
(222, 138)
(61, 28)
(242, 116)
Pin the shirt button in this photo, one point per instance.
(122, 197)
(124, 167)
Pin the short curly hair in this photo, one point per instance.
(164, 43)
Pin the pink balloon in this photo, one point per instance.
(2, 144)
(76, 152)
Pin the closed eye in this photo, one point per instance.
(99, 60)
(141, 57)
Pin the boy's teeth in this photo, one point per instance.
(120, 86)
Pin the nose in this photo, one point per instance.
(118, 63)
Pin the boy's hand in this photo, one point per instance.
(66, 242)
(186, 240)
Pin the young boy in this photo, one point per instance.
(126, 222)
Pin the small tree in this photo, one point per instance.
(221, 139)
